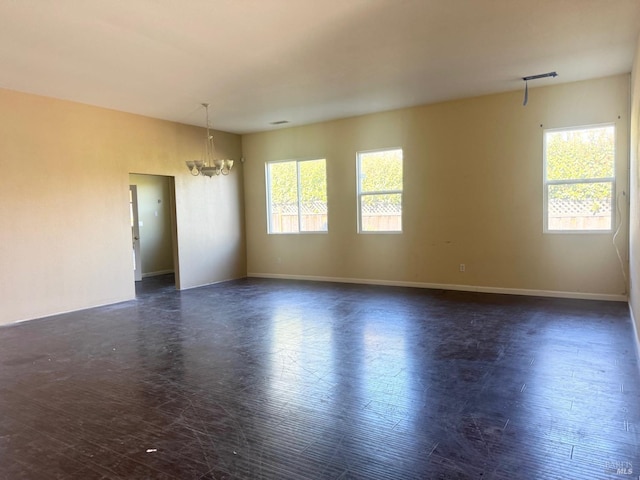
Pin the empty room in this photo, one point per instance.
(287, 239)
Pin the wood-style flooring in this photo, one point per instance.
(267, 379)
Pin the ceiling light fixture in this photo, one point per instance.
(210, 165)
(534, 77)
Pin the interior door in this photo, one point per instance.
(135, 232)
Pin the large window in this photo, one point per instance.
(297, 196)
(380, 191)
(579, 179)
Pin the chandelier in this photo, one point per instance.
(209, 166)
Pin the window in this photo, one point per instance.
(380, 191)
(297, 196)
(579, 179)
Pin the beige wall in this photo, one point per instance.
(65, 241)
(472, 195)
(634, 250)
(155, 222)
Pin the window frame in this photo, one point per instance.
(298, 199)
(360, 194)
(546, 183)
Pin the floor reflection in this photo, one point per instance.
(261, 379)
(302, 367)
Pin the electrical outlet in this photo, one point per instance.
(462, 267)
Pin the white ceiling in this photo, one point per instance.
(260, 61)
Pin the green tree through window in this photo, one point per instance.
(297, 192)
(380, 191)
(579, 178)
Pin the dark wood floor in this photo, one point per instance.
(264, 379)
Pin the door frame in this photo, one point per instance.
(174, 221)
(135, 233)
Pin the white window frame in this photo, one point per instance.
(547, 183)
(269, 212)
(361, 194)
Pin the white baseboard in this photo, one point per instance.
(155, 274)
(191, 287)
(446, 286)
(107, 303)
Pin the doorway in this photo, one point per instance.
(135, 232)
(153, 228)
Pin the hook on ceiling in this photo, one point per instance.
(534, 77)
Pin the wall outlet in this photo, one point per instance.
(462, 267)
